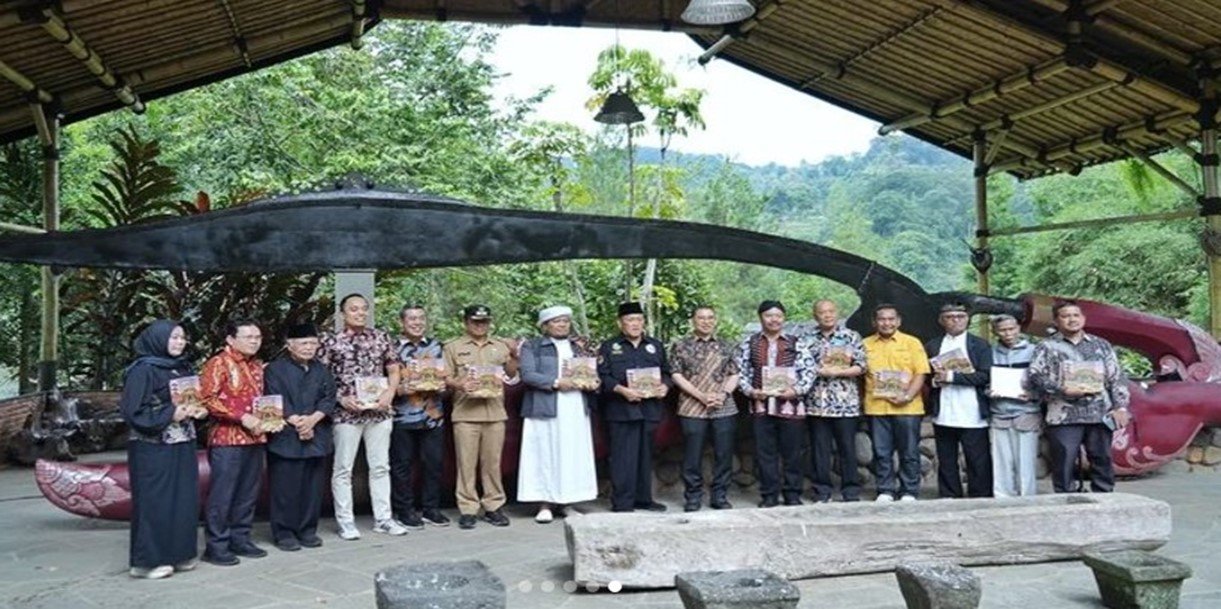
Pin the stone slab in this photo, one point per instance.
(464, 584)
(740, 589)
(938, 585)
(648, 550)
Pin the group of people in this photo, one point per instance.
(358, 385)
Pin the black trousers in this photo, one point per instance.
(778, 456)
(631, 464)
(232, 493)
(296, 487)
(976, 451)
(406, 444)
(842, 432)
(1065, 442)
(695, 431)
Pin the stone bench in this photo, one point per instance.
(939, 585)
(1131, 579)
(648, 550)
(439, 585)
(741, 589)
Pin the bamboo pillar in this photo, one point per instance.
(981, 256)
(1210, 202)
(48, 352)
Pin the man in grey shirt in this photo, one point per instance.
(1015, 423)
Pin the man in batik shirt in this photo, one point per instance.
(362, 354)
(830, 362)
(704, 367)
(419, 425)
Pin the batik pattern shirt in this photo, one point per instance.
(419, 410)
(755, 353)
(351, 354)
(825, 396)
(228, 384)
(705, 363)
(1046, 378)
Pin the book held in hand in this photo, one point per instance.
(778, 379)
(837, 357)
(269, 409)
(1083, 377)
(1008, 382)
(954, 361)
(581, 371)
(645, 380)
(890, 383)
(426, 374)
(185, 392)
(368, 389)
(487, 381)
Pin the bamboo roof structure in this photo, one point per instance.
(1052, 85)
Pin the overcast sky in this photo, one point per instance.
(750, 118)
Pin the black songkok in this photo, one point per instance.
(630, 308)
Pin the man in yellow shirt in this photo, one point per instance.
(897, 367)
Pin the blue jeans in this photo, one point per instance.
(902, 434)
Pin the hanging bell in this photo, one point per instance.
(717, 12)
(619, 109)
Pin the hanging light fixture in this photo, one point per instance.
(619, 109)
(717, 12)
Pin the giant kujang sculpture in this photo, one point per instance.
(357, 227)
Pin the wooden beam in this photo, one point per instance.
(54, 25)
(981, 94)
(1158, 217)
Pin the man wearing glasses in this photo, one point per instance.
(961, 364)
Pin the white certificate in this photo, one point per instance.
(1008, 382)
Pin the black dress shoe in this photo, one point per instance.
(792, 501)
(691, 507)
(288, 544)
(651, 506)
(720, 504)
(466, 521)
(435, 518)
(221, 560)
(311, 541)
(769, 502)
(623, 510)
(247, 550)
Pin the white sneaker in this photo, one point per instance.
(348, 532)
(884, 498)
(907, 498)
(543, 516)
(161, 572)
(390, 527)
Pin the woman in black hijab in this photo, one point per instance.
(160, 456)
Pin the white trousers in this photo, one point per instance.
(1013, 462)
(377, 454)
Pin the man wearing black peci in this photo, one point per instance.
(631, 414)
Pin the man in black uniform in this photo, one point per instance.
(297, 455)
(631, 415)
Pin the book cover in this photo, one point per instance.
(487, 379)
(837, 357)
(645, 380)
(427, 374)
(184, 392)
(270, 411)
(582, 371)
(368, 388)
(778, 379)
(890, 383)
(1008, 382)
(1085, 377)
(954, 361)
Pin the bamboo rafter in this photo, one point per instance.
(1159, 169)
(25, 84)
(1106, 137)
(1112, 26)
(981, 94)
(238, 40)
(743, 30)
(889, 38)
(54, 25)
(1014, 117)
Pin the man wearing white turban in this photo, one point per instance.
(557, 454)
